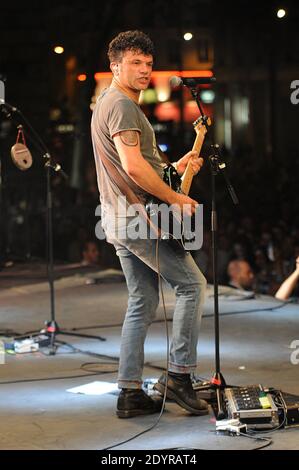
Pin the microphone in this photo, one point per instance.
(191, 81)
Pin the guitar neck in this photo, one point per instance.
(188, 173)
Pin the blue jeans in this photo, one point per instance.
(178, 268)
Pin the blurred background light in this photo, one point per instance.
(207, 96)
(164, 147)
(281, 13)
(188, 36)
(58, 50)
(149, 96)
(163, 95)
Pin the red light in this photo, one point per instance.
(82, 77)
(164, 73)
(99, 75)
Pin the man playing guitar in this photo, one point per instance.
(126, 156)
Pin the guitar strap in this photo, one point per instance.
(132, 198)
(119, 180)
(163, 156)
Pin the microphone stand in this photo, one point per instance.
(52, 328)
(217, 166)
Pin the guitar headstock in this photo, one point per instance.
(201, 130)
(199, 124)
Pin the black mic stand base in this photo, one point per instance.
(212, 392)
(47, 336)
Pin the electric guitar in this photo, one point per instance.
(180, 185)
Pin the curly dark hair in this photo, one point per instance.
(129, 41)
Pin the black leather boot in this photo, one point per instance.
(179, 389)
(132, 402)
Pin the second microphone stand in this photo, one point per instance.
(52, 329)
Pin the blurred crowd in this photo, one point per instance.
(258, 241)
(252, 256)
(258, 238)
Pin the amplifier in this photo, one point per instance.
(252, 406)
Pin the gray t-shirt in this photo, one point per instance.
(115, 112)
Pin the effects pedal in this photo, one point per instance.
(252, 406)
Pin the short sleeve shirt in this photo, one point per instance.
(115, 112)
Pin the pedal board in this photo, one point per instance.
(252, 406)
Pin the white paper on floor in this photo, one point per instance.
(94, 388)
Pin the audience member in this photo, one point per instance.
(90, 254)
(287, 287)
(240, 274)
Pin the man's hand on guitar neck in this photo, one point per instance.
(196, 162)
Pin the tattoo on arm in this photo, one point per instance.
(129, 138)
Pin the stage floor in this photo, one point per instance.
(37, 411)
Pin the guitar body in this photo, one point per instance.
(175, 229)
(172, 179)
